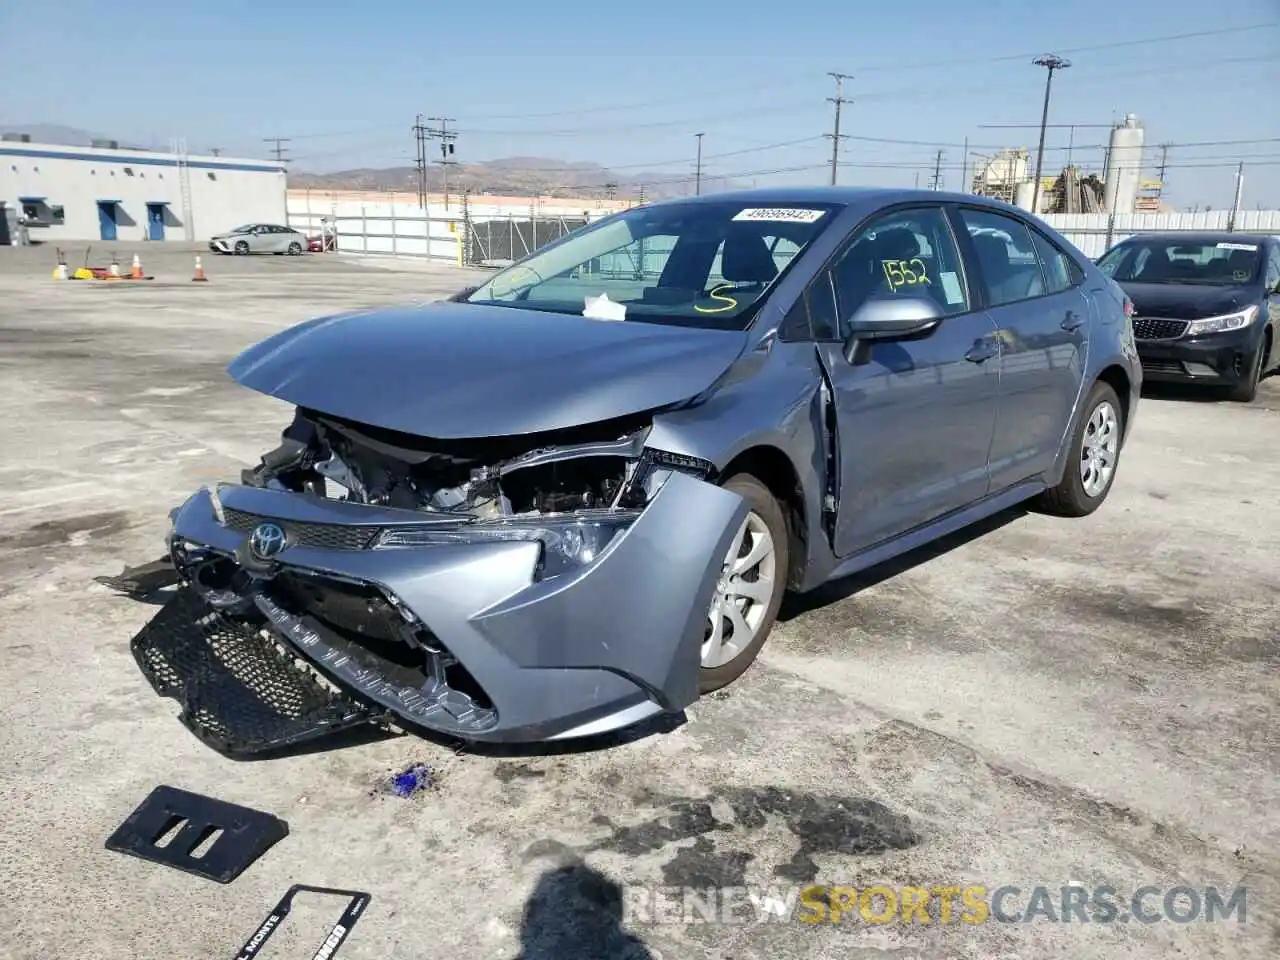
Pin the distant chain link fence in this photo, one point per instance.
(499, 241)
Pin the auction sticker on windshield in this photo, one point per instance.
(775, 214)
(1238, 246)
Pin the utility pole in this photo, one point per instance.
(420, 159)
(446, 138)
(936, 183)
(838, 100)
(279, 147)
(697, 170)
(1051, 63)
(1164, 163)
(1235, 206)
(964, 169)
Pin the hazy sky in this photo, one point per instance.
(629, 84)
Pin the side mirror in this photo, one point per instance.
(890, 318)
(462, 295)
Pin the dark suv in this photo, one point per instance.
(1206, 306)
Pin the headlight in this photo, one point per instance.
(567, 542)
(1229, 321)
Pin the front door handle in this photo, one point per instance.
(1072, 321)
(983, 350)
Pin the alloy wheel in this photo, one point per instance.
(1098, 449)
(743, 592)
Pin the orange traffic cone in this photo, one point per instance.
(199, 275)
(136, 272)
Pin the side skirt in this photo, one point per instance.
(934, 530)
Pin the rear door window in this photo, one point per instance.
(1060, 271)
(1006, 256)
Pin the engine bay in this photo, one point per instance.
(597, 466)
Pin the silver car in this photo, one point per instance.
(259, 238)
(573, 498)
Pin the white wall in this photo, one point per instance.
(408, 230)
(1088, 231)
(225, 191)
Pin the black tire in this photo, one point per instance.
(1246, 391)
(242, 248)
(762, 503)
(295, 249)
(1068, 498)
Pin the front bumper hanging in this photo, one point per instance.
(241, 693)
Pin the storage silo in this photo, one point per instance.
(1024, 194)
(1124, 166)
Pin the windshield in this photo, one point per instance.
(245, 229)
(706, 264)
(1177, 261)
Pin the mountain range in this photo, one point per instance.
(510, 176)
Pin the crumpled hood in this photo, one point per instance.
(1186, 301)
(453, 371)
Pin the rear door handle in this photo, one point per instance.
(1072, 321)
(983, 350)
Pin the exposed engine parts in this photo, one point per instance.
(586, 468)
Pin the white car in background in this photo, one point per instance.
(259, 238)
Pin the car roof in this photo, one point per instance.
(879, 196)
(1202, 236)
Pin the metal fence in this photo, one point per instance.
(1095, 233)
(465, 234)
(498, 241)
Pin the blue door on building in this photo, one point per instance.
(107, 219)
(155, 221)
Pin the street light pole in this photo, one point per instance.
(697, 175)
(1051, 63)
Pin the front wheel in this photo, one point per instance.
(1095, 454)
(242, 248)
(753, 578)
(1246, 391)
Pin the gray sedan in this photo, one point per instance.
(573, 498)
(259, 238)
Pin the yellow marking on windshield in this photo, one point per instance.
(715, 294)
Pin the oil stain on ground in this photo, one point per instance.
(821, 824)
(50, 533)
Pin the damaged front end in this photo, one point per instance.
(516, 588)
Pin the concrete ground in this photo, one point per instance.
(1049, 702)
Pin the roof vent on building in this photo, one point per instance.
(16, 137)
(106, 144)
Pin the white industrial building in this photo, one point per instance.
(107, 193)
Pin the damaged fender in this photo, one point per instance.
(642, 609)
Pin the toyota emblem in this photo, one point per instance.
(267, 540)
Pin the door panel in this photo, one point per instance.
(915, 420)
(915, 426)
(1042, 322)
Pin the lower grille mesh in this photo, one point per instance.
(239, 692)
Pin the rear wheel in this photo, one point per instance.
(1095, 454)
(295, 249)
(753, 578)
